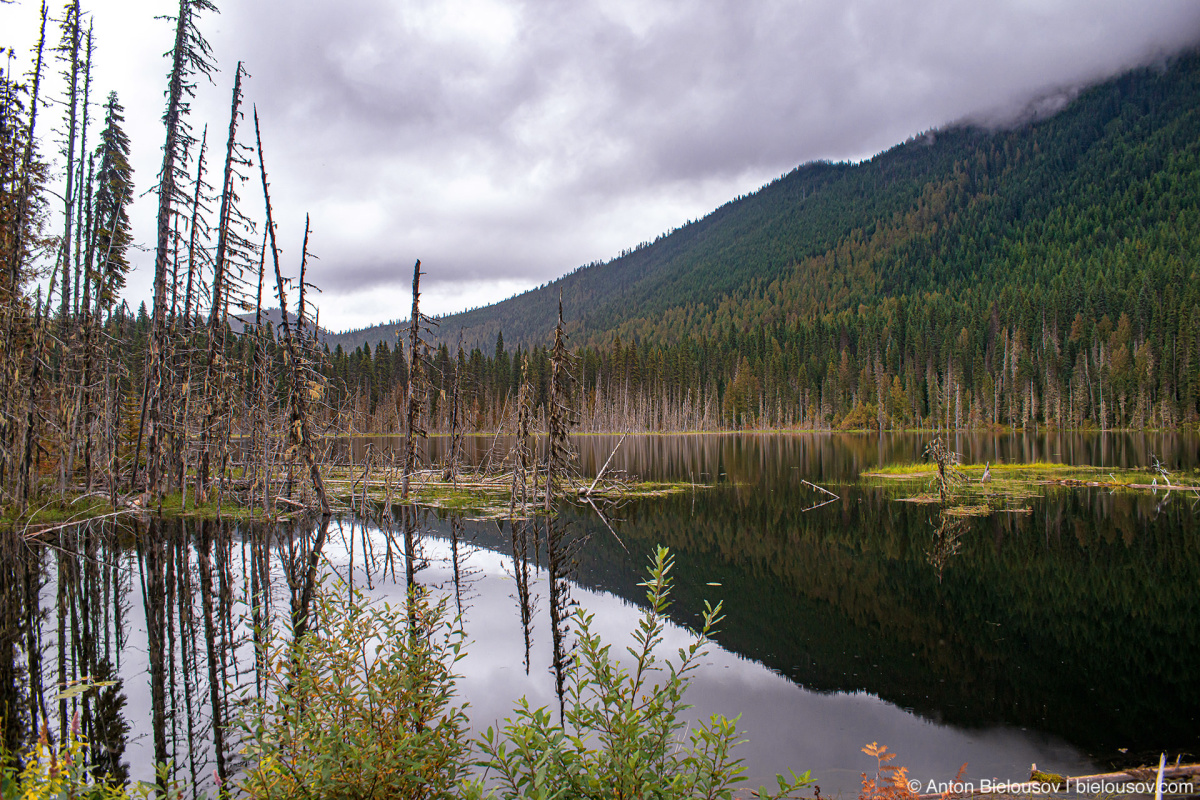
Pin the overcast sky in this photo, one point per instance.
(505, 142)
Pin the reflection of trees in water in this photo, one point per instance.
(561, 563)
(199, 583)
(300, 553)
(207, 592)
(462, 571)
(947, 541)
(52, 673)
(15, 714)
(215, 637)
(151, 571)
(1030, 627)
(527, 537)
(184, 595)
(521, 530)
(757, 458)
(404, 546)
(1026, 627)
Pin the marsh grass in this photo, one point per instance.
(56, 511)
(1032, 472)
(1009, 487)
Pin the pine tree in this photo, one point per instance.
(114, 192)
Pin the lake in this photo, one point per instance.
(1064, 635)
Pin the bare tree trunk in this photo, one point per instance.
(417, 383)
(523, 459)
(214, 386)
(260, 447)
(298, 429)
(562, 417)
(190, 53)
(71, 29)
(456, 422)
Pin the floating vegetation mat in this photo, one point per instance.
(980, 489)
(486, 497)
(970, 511)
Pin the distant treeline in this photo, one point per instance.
(942, 364)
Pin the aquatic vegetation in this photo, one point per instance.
(982, 489)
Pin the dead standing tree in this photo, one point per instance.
(297, 367)
(191, 55)
(456, 419)
(947, 462)
(562, 415)
(949, 529)
(182, 411)
(560, 455)
(69, 49)
(418, 382)
(233, 250)
(68, 402)
(524, 464)
(259, 399)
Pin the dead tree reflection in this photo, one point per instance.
(300, 557)
(14, 714)
(947, 541)
(464, 574)
(561, 563)
(150, 566)
(521, 533)
(260, 602)
(185, 593)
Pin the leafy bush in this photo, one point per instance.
(624, 734)
(364, 705)
(47, 771)
(890, 781)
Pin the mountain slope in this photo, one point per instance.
(1048, 274)
(939, 213)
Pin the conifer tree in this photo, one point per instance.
(114, 192)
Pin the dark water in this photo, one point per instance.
(1066, 636)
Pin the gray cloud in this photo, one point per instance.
(506, 141)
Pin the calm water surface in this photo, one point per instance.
(1065, 636)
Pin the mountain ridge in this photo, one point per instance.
(745, 245)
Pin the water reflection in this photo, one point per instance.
(947, 541)
(1060, 620)
(837, 457)
(1058, 636)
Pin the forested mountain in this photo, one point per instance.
(244, 321)
(1044, 274)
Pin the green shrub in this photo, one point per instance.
(48, 771)
(623, 735)
(364, 706)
